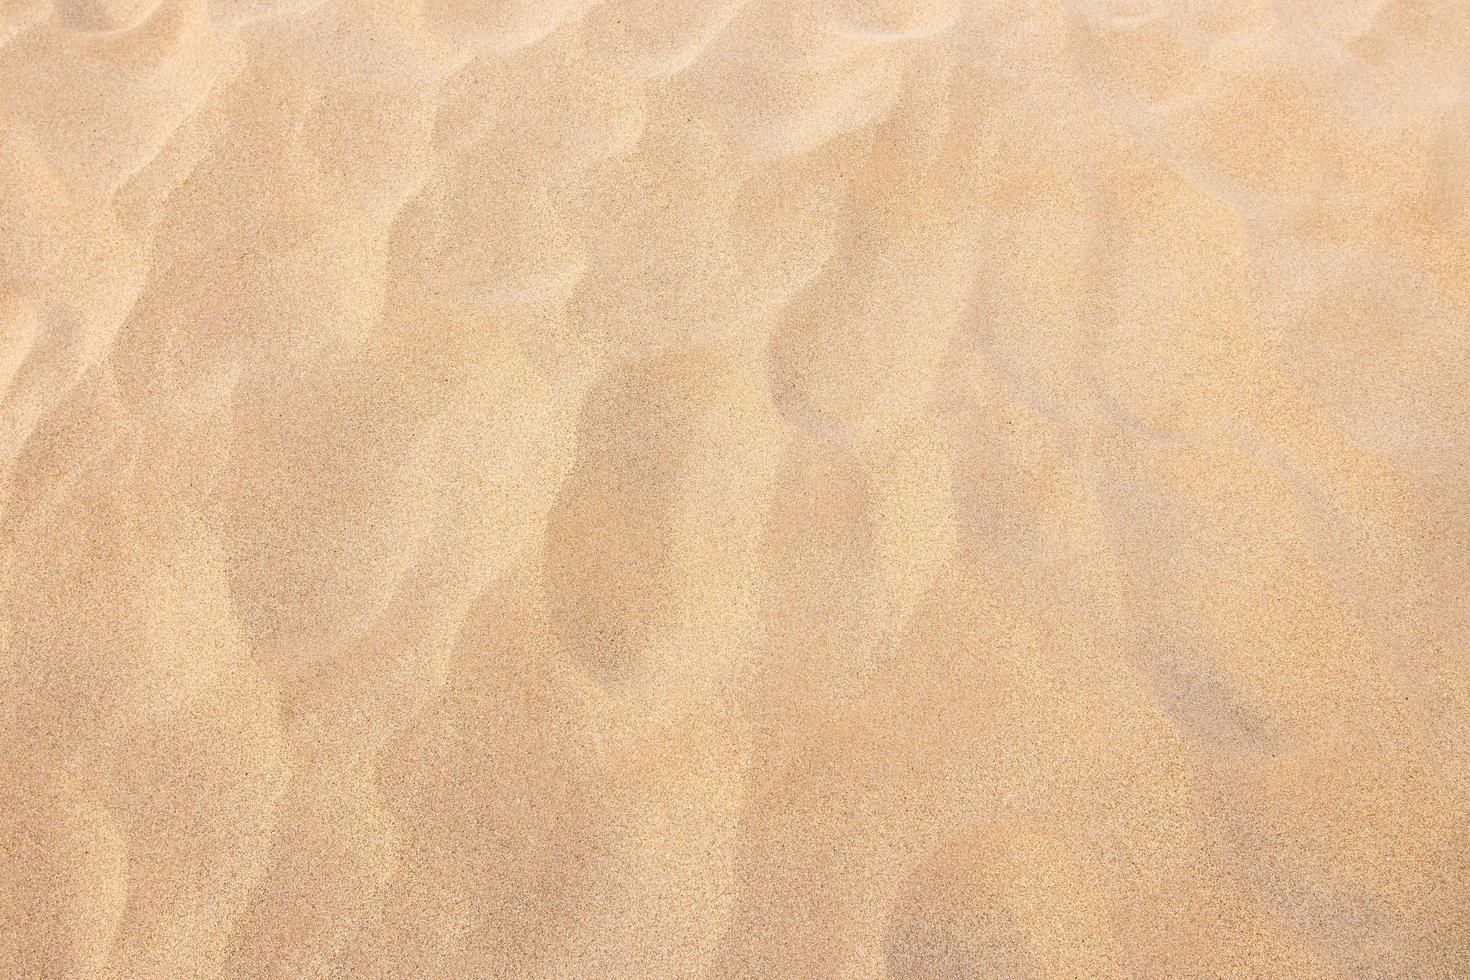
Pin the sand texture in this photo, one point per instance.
(734, 489)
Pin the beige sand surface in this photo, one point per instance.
(734, 488)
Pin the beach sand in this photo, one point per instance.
(734, 489)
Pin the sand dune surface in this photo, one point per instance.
(747, 488)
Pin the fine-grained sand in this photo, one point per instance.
(734, 488)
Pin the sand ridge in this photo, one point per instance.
(639, 488)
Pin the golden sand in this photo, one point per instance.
(670, 489)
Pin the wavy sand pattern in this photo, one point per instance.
(740, 488)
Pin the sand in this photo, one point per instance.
(734, 489)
